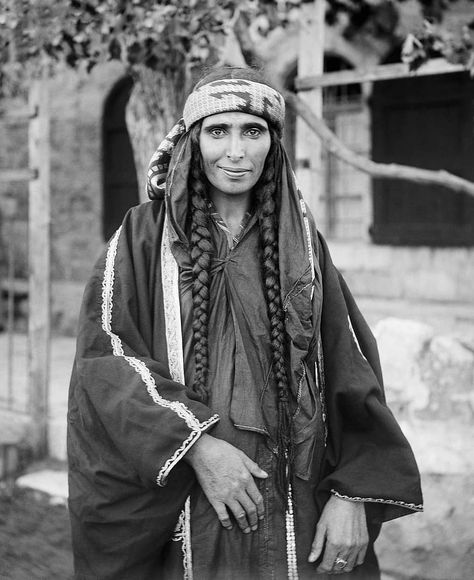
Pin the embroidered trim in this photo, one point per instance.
(170, 282)
(182, 533)
(308, 240)
(411, 506)
(321, 384)
(182, 450)
(351, 328)
(300, 390)
(290, 539)
(178, 531)
(139, 366)
(186, 547)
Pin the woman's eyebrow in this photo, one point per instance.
(253, 125)
(222, 125)
(244, 126)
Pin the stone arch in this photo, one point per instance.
(119, 183)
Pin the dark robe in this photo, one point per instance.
(136, 510)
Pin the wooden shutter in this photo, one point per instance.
(426, 122)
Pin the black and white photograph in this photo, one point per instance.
(236, 289)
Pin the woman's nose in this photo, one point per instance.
(235, 149)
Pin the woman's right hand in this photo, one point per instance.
(226, 476)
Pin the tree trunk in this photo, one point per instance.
(155, 105)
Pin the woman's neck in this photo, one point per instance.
(231, 208)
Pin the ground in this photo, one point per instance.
(34, 537)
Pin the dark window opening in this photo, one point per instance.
(424, 122)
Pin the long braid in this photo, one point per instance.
(201, 256)
(268, 222)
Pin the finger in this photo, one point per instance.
(318, 544)
(254, 468)
(342, 564)
(361, 556)
(257, 499)
(329, 556)
(223, 515)
(349, 558)
(250, 509)
(240, 515)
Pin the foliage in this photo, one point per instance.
(160, 34)
(435, 41)
(175, 35)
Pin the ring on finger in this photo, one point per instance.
(241, 516)
(340, 563)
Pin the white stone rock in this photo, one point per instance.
(402, 344)
(448, 370)
(430, 387)
(52, 483)
(441, 447)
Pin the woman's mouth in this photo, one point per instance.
(235, 172)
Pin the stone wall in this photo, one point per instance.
(409, 273)
(429, 381)
(76, 109)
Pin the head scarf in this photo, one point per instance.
(299, 282)
(218, 96)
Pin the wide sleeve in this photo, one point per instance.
(368, 459)
(122, 374)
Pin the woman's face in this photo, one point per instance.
(234, 147)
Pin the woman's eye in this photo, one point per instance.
(253, 132)
(216, 132)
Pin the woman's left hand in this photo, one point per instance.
(341, 537)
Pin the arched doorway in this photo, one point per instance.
(120, 187)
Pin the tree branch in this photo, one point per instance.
(247, 45)
(391, 170)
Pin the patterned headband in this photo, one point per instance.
(235, 95)
(215, 97)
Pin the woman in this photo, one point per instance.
(227, 417)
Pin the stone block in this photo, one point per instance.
(429, 382)
(448, 369)
(402, 344)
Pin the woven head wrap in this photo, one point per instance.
(218, 96)
(235, 95)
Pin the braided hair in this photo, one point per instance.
(266, 195)
(201, 257)
(201, 254)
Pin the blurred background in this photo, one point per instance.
(380, 130)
